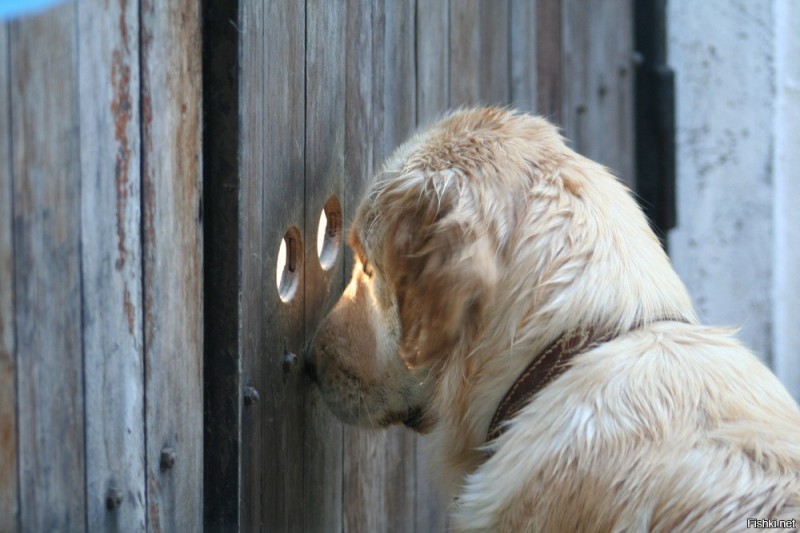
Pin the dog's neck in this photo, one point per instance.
(543, 369)
(459, 436)
(546, 367)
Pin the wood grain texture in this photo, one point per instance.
(432, 45)
(363, 463)
(326, 24)
(479, 52)
(222, 267)
(598, 95)
(549, 82)
(523, 54)
(173, 311)
(253, 265)
(111, 264)
(9, 486)
(47, 299)
(282, 330)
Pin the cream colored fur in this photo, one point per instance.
(483, 239)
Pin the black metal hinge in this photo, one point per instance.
(655, 117)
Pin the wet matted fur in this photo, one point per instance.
(482, 240)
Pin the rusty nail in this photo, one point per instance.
(250, 396)
(113, 499)
(167, 458)
(289, 362)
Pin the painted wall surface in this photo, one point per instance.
(786, 290)
(736, 173)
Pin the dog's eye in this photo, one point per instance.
(366, 268)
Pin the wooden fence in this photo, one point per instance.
(153, 158)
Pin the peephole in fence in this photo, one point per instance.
(329, 233)
(290, 263)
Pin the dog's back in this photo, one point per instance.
(676, 428)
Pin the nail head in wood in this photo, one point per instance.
(250, 396)
(167, 458)
(289, 362)
(113, 499)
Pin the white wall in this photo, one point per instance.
(786, 291)
(736, 245)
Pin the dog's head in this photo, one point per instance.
(428, 242)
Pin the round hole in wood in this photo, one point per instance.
(329, 233)
(290, 263)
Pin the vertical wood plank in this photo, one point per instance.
(396, 89)
(364, 468)
(549, 83)
(523, 54)
(9, 487)
(324, 177)
(47, 297)
(254, 263)
(576, 36)
(479, 52)
(432, 46)
(495, 28)
(465, 53)
(619, 91)
(171, 189)
(281, 407)
(222, 265)
(111, 263)
(394, 114)
(598, 94)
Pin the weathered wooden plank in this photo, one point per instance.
(394, 115)
(523, 54)
(613, 92)
(222, 265)
(324, 178)
(111, 263)
(363, 487)
(281, 407)
(465, 53)
(432, 45)
(9, 486)
(494, 23)
(173, 310)
(396, 87)
(479, 52)
(576, 40)
(254, 261)
(598, 101)
(47, 297)
(549, 77)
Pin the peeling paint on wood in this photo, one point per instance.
(111, 262)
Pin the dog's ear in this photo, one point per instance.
(444, 271)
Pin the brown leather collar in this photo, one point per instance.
(545, 368)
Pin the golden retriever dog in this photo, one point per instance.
(509, 299)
